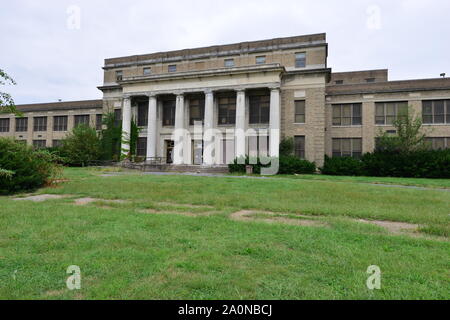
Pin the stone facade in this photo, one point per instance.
(206, 106)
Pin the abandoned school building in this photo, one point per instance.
(207, 106)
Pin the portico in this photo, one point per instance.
(209, 127)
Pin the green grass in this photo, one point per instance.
(124, 254)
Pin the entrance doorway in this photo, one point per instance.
(170, 145)
(197, 152)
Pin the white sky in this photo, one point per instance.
(51, 61)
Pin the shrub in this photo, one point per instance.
(294, 165)
(413, 164)
(342, 166)
(239, 165)
(287, 165)
(287, 147)
(81, 146)
(28, 169)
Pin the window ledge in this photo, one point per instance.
(436, 124)
(355, 126)
(300, 124)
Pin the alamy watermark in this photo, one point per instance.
(73, 17)
(374, 280)
(74, 280)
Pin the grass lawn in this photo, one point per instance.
(173, 238)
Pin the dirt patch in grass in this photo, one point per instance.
(192, 206)
(272, 217)
(88, 200)
(181, 213)
(42, 197)
(393, 227)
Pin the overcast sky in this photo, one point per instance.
(53, 57)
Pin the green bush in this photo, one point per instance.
(287, 165)
(412, 164)
(344, 166)
(29, 169)
(239, 165)
(294, 165)
(287, 147)
(81, 146)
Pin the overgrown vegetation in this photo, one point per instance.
(126, 254)
(286, 165)
(24, 168)
(405, 154)
(81, 146)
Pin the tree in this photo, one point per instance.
(287, 147)
(81, 146)
(110, 138)
(6, 101)
(409, 136)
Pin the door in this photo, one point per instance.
(197, 152)
(170, 144)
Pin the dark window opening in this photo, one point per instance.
(259, 109)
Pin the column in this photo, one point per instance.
(152, 127)
(179, 131)
(275, 123)
(208, 133)
(240, 124)
(126, 126)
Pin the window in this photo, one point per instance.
(39, 144)
(370, 80)
(141, 149)
(60, 123)
(57, 143)
(300, 60)
(339, 82)
(436, 112)
(300, 113)
(261, 60)
(259, 109)
(299, 146)
(4, 125)
(172, 68)
(227, 110)
(438, 143)
(169, 113)
(147, 71)
(229, 63)
(119, 75)
(347, 147)
(81, 120)
(21, 124)
(347, 114)
(117, 117)
(387, 113)
(142, 116)
(99, 122)
(196, 110)
(40, 124)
